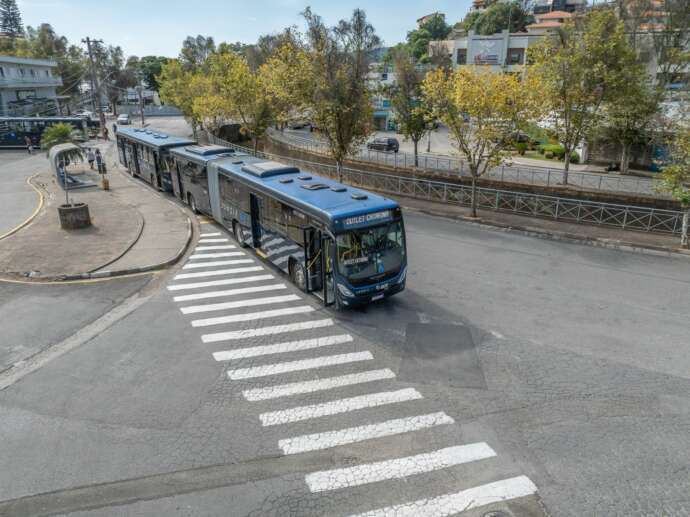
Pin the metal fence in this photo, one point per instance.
(542, 176)
(625, 217)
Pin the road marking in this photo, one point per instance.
(334, 407)
(196, 265)
(328, 439)
(229, 292)
(253, 316)
(209, 241)
(227, 281)
(397, 468)
(451, 504)
(281, 348)
(253, 302)
(219, 272)
(298, 388)
(210, 248)
(211, 234)
(296, 366)
(266, 331)
(217, 255)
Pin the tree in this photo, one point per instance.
(196, 51)
(62, 134)
(497, 17)
(675, 178)
(631, 114)
(176, 88)
(432, 29)
(338, 98)
(483, 111)
(581, 68)
(10, 19)
(411, 112)
(149, 67)
(672, 41)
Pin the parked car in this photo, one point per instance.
(123, 119)
(297, 124)
(384, 144)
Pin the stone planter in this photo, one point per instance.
(74, 216)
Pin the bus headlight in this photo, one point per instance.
(345, 291)
(403, 275)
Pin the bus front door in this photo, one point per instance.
(313, 260)
(328, 249)
(255, 212)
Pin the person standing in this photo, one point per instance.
(105, 133)
(29, 145)
(99, 161)
(114, 129)
(90, 157)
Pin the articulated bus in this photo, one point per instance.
(343, 244)
(145, 153)
(14, 130)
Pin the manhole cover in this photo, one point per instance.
(496, 513)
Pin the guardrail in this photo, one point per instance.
(504, 173)
(625, 217)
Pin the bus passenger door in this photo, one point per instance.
(313, 260)
(328, 249)
(176, 177)
(255, 213)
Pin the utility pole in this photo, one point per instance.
(141, 105)
(95, 88)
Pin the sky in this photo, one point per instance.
(157, 27)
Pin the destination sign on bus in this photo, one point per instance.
(365, 219)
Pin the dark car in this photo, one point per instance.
(384, 144)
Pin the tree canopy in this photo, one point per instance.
(10, 18)
(432, 29)
(497, 17)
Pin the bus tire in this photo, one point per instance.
(237, 233)
(192, 203)
(297, 275)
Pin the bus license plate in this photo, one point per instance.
(377, 297)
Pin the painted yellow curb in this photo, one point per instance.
(41, 201)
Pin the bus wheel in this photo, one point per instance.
(192, 204)
(297, 275)
(237, 232)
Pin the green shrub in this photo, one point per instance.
(548, 154)
(521, 148)
(574, 157)
(540, 149)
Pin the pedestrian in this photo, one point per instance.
(114, 129)
(90, 157)
(105, 133)
(29, 145)
(99, 161)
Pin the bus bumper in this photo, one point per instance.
(358, 301)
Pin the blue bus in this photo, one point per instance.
(345, 245)
(145, 153)
(14, 130)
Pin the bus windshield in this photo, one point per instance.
(370, 252)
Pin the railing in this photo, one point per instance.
(625, 217)
(28, 80)
(504, 173)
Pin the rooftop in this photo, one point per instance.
(554, 15)
(27, 61)
(152, 137)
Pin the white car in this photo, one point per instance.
(123, 119)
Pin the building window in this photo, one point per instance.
(384, 76)
(47, 73)
(462, 56)
(33, 72)
(516, 56)
(2, 72)
(21, 72)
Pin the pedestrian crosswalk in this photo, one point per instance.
(317, 387)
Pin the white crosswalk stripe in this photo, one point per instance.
(229, 292)
(296, 366)
(227, 281)
(252, 316)
(212, 248)
(465, 500)
(328, 439)
(216, 255)
(266, 331)
(254, 302)
(282, 348)
(300, 388)
(335, 407)
(397, 468)
(209, 241)
(210, 234)
(196, 265)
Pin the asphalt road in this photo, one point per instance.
(508, 361)
(17, 199)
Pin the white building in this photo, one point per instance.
(27, 87)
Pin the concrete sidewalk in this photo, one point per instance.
(133, 229)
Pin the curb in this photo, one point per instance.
(41, 202)
(529, 231)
